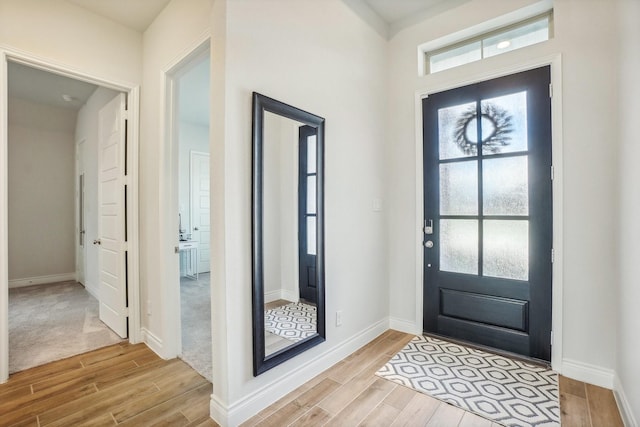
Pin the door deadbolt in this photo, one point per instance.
(428, 244)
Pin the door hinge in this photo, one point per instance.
(553, 173)
(125, 311)
(553, 256)
(550, 90)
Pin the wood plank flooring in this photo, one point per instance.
(350, 394)
(129, 385)
(118, 385)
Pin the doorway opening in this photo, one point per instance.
(69, 279)
(488, 214)
(189, 118)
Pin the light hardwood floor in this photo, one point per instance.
(129, 385)
(122, 384)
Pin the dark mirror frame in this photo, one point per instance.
(261, 103)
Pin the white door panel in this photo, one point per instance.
(200, 209)
(113, 292)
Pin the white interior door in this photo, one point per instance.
(201, 228)
(111, 228)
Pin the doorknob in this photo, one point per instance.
(428, 244)
(97, 242)
(195, 229)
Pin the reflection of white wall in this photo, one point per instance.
(87, 130)
(41, 191)
(280, 239)
(192, 137)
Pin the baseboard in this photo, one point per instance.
(271, 296)
(240, 411)
(588, 373)
(280, 294)
(404, 326)
(41, 280)
(623, 404)
(153, 342)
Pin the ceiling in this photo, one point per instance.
(388, 17)
(43, 87)
(135, 14)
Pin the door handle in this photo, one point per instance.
(97, 242)
(195, 229)
(428, 244)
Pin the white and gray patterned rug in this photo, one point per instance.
(506, 391)
(295, 321)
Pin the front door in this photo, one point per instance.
(488, 212)
(112, 209)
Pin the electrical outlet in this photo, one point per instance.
(339, 318)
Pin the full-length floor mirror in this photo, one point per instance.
(288, 237)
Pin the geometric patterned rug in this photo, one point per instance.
(295, 321)
(503, 390)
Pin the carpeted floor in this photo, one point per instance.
(52, 322)
(195, 307)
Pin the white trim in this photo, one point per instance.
(623, 403)
(133, 99)
(254, 402)
(152, 341)
(4, 220)
(555, 61)
(588, 373)
(169, 203)
(133, 211)
(41, 280)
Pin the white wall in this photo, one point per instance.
(87, 130)
(280, 214)
(172, 35)
(320, 57)
(585, 35)
(192, 137)
(628, 343)
(69, 35)
(41, 190)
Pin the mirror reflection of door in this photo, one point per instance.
(289, 232)
(307, 213)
